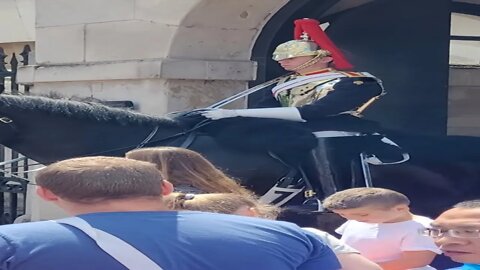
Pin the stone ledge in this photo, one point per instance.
(464, 76)
(140, 69)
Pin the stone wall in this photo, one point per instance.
(156, 53)
(463, 101)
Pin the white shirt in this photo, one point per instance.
(331, 241)
(385, 242)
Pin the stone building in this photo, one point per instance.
(171, 55)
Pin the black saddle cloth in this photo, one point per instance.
(289, 140)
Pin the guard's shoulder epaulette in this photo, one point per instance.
(352, 74)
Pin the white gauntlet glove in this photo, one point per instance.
(216, 114)
(286, 113)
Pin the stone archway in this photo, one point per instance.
(221, 30)
(213, 43)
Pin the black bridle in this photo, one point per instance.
(9, 122)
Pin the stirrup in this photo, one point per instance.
(314, 204)
(374, 160)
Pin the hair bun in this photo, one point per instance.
(189, 196)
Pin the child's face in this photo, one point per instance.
(374, 213)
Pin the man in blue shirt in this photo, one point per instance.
(120, 201)
(457, 233)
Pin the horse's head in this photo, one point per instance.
(8, 129)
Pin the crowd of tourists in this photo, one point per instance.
(169, 208)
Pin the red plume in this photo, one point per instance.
(315, 32)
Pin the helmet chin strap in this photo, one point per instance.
(309, 63)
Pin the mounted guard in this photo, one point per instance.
(321, 87)
(323, 92)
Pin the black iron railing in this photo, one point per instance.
(10, 74)
(13, 170)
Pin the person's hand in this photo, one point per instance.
(216, 114)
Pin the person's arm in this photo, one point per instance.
(7, 251)
(348, 94)
(349, 258)
(417, 250)
(410, 259)
(267, 100)
(321, 257)
(355, 261)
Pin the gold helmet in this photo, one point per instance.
(296, 48)
(309, 39)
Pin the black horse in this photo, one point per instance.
(442, 170)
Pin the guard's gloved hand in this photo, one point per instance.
(286, 113)
(216, 114)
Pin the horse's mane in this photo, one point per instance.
(82, 110)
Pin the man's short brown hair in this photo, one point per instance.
(91, 179)
(468, 204)
(359, 197)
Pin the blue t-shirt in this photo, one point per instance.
(467, 267)
(174, 240)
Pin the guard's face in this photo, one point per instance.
(462, 242)
(291, 64)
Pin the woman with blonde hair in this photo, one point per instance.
(223, 203)
(244, 205)
(188, 171)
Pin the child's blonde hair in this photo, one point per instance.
(359, 197)
(224, 203)
(185, 167)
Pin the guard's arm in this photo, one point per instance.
(285, 113)
(267, 100)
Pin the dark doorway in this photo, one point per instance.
(403, 42)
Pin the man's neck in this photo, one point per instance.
(122, 205)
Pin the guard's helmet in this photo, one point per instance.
(309, 39)
(296, 48)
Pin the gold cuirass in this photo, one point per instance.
(306, 94)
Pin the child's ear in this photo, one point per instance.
(401, 207)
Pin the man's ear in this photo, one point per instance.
(46, 194)
(167, 188)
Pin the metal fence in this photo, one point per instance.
(13, 167)
(13, 185)
(8, 71)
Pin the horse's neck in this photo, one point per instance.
(57, 139)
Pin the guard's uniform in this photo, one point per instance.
(324, 100)
(327, 99)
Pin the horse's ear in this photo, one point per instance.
(46, 194)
